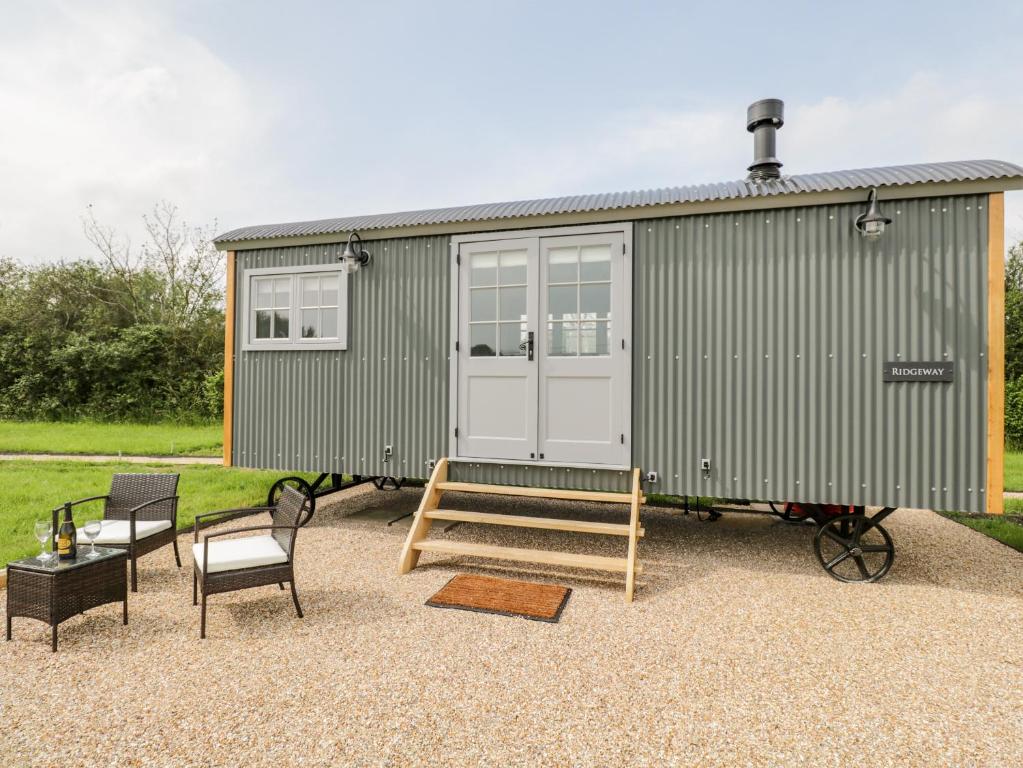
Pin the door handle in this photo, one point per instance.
(528, 345)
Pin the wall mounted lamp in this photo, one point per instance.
(872, 223)
(355, 255)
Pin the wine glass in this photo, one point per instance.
(43, 532)
(91, 531)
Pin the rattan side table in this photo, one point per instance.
(55, 592)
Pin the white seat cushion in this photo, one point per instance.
(119, 531)
(232, 554)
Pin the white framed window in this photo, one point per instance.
(289, 308)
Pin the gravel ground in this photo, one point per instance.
(739, 650)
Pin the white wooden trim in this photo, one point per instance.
(453, 354)
(625, 227)
(294, 343)
(292, 270)
(541, 463)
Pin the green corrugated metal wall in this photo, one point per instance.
(335, 411)
(759, 339)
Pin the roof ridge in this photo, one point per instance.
(825, 181)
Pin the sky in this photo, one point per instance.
(249, 112)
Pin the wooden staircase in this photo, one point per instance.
(429, 510)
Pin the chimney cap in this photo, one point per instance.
(765, 111)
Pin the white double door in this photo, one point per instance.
(543, 370)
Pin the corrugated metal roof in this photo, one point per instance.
(924, 173)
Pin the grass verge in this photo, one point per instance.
(1007, 528)
(30, 489)
(1014, 470)
(111, 439)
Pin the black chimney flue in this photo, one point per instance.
(763, 119)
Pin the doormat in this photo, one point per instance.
(487, 594)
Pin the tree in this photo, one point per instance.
(173, 280)
(1014, 313)
(134, 335)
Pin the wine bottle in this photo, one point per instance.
(67, 537)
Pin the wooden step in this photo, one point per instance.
(545, 557)
(540, 493)
(522, 521)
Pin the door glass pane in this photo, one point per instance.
(328, 291)
(595, 301)
(282, 293)
(483, 269)
(310, 323)
(595, 338)
(512, 334)
(262, 324)
(513, 268)
(561, 302)
(483, 340)
(310, 292)
(328, 323)
(595, 263)
(483, 304)
(513, 303)
(264, 294)
(562, 266)
(562, 339)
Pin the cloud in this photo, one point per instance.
(107, 104)
(926, 118)
(111, 103)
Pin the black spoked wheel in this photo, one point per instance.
(854, 548)
(299, 485)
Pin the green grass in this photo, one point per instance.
(30, 489)
(111, 439)
(1007, 529)
(1014, 470)
(1012, 506)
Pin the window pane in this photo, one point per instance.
(595, 262)
(595, 301)
(562, 339)
(483, 304)
(513, 303)
(262, 324)
(561, 265)
(561, 302)
(483, 269)
(512, 334)
(483, 340)
(264, 293)
(281, 324)
(282, 292)
(328, 323)
(513, 267)
(595, 338)
(310, 323)
(328, 291)
(310, 292)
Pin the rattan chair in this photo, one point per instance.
(250, 561)
(140, 515)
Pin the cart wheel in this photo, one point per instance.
(854, 548)
(299, 485)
